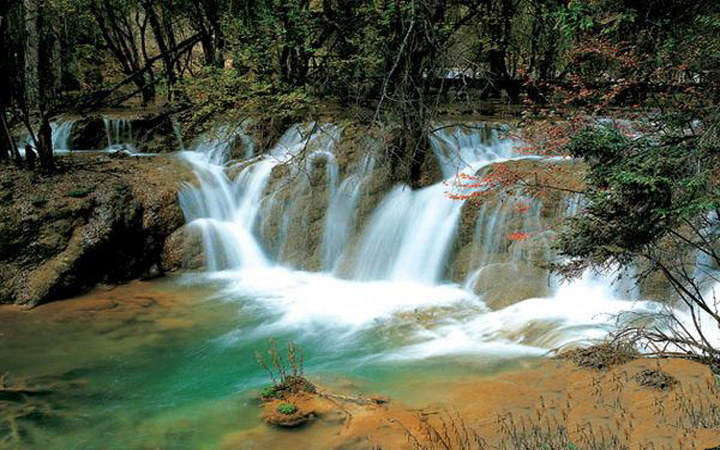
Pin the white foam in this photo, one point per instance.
(305, 299)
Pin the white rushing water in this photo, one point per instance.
(61, 132)
(226, 211)
(60, 138)
(119, 134)
(395, 262)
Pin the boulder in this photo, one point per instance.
(183, 249)
(102, 221)
(504, 284)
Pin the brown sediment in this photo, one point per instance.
(108, 320)
(555, 402)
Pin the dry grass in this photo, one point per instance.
(602, 356)
(682, 407)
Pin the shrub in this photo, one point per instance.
(268, 392)
(602, 356)
(285, 370)
(287, 409)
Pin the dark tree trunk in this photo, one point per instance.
(498, 67)
(46, 88)
(118, 36)
(45, 150)
(6, 141)
(163, 45)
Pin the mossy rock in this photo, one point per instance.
(286, 415)
(268, 392)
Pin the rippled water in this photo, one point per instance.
(170, 364)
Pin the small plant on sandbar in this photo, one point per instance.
(285, 370)
(269, 392)
(287, 408)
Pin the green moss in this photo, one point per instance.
(287, 408)
(268, 392)
(80, 192)
(38, 202)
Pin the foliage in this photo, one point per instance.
(287, 409)
(268, 392)
(653, 203)
(638, 190)
(285, 370)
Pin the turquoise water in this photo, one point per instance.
(170, 364)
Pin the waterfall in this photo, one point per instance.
(225, 210)
(255, 215)
(61, 135)
(461, 148)
(341, 213)
(411, 232)
(119, 134)
(408, 236)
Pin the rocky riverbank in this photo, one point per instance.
(641, 404)
(99, 219)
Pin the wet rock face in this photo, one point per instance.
(88, 133)
(100, 220)
(150, 133)
(183, 250)
(505, 238)
(504, 284)
(296, 199)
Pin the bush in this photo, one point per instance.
(268, 392)
(285, 368)
(287, 409)
(602, 356)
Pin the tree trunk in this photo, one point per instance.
(46, 88)
(45, 150)
(31, 50)
(160, 39)
(6, 140)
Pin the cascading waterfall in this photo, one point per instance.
(226, 211)
(462, 148)
(60, 138)
(119, 134)
(341, 213)
(519, 215)
(408, 236)
(396, 261)
(410, 233)
(61, 135)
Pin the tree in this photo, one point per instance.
(652, 199)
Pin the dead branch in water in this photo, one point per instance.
(354, 399)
